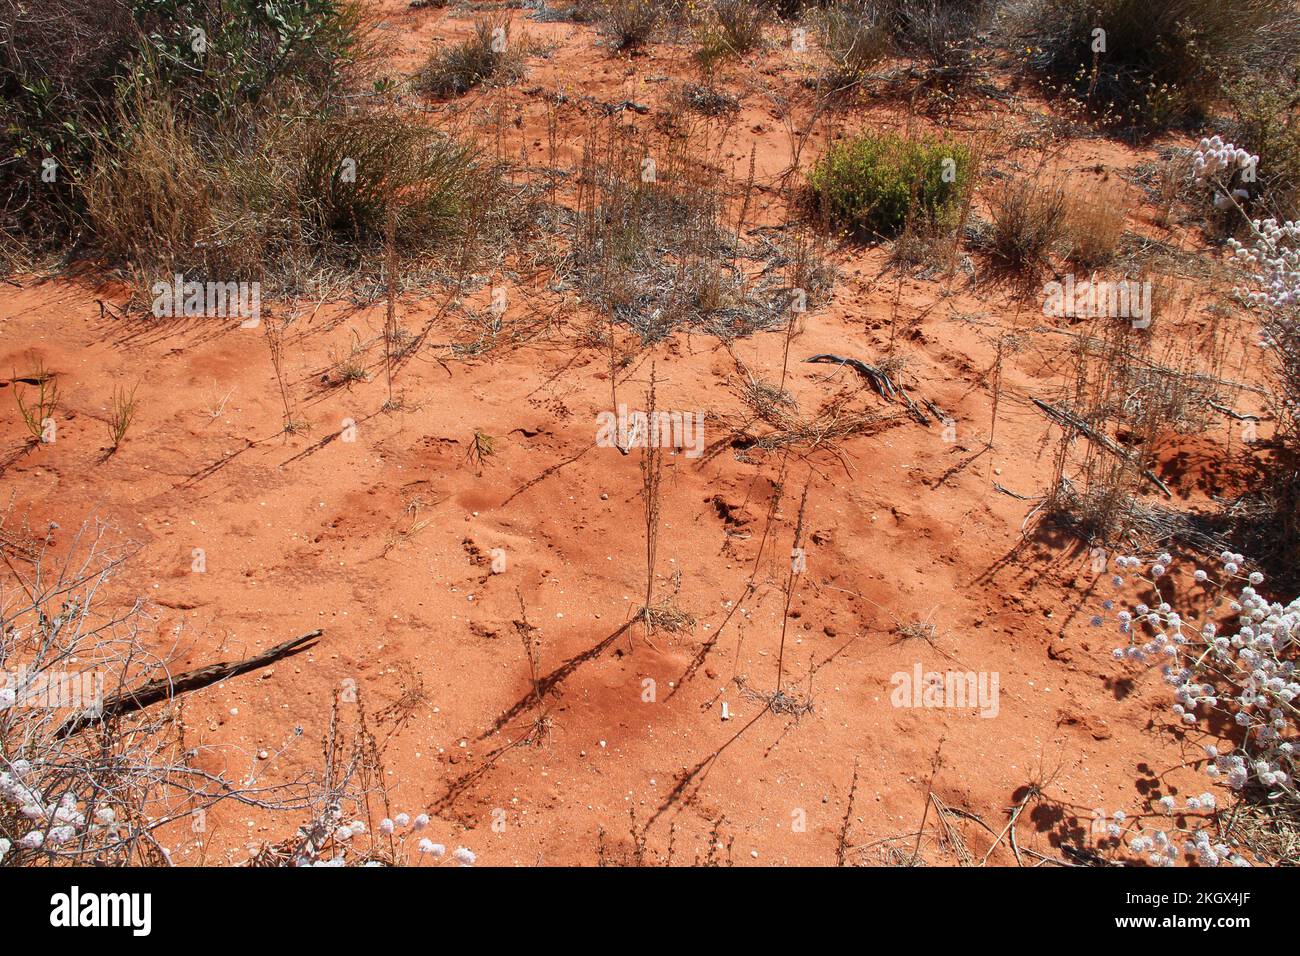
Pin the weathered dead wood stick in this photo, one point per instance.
(166, 688)
(1062, 417)
(1239, 416)
(879, 380)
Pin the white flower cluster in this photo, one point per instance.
(346, 832)
(1213, 156)
(1273, 254)
(1273, 257)
(53, 823)
(1246, 672)
(399, 826)
(1162, 849)
(1217, 160)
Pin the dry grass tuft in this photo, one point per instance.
(854, 38)
(489, 56)
(1029, 220)
(1094, 225)
(121, 412)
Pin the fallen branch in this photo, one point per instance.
(883, 385)
(1239, 416)
(1011, 826)
(167, 688)
(1013, 494)
(1069, 419)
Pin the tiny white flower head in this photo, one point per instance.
(421, 821)
(433, 849)
(385, 825)
(463, 856)
(402, 819)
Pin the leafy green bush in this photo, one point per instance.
(1162, 62)
(877, 184)
(221, 55)
(58, 72)
(1267, 125)
(66, 66)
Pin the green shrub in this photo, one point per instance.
(65, 69)
(223, 55)
(58, 72)
(877, 184)
(1164, 61)
(1267, 125)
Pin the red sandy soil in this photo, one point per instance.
(901, 526)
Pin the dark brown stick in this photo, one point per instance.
(166, 688)
(1063, 417)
